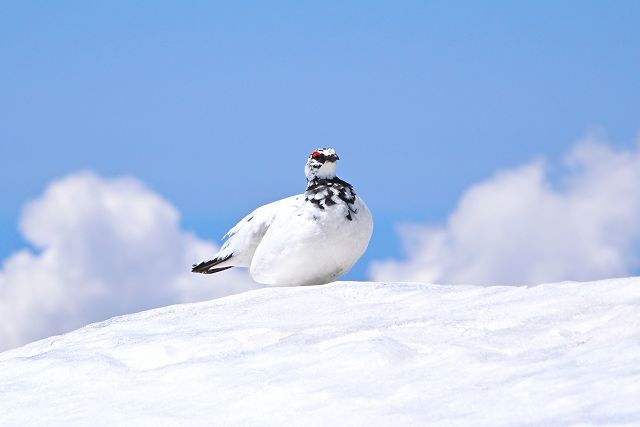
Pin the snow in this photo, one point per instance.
(348, 354)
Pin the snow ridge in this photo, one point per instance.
(347, 353)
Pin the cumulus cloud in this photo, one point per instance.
(104, 247)
(519, 227)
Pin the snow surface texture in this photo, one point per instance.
(347, 353)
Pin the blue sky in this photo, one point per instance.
(215, 106)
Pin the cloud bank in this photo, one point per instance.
(105, 247)
(520, 228)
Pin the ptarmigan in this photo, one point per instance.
(308, 239)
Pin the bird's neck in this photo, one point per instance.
(326, 171)
(317, 183)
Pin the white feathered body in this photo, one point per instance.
(291, 242)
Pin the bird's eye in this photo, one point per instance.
(315, 154)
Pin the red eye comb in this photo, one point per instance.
(315, 154)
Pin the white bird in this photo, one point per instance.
(308, 239)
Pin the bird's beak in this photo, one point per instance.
(333, 158)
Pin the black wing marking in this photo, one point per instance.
(205, 266)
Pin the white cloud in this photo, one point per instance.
(519, 228)
(105, 247)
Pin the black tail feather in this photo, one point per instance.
(205, 266)
(214, 270)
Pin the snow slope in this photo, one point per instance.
(345, 354)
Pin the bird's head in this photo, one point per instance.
(321, 164)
